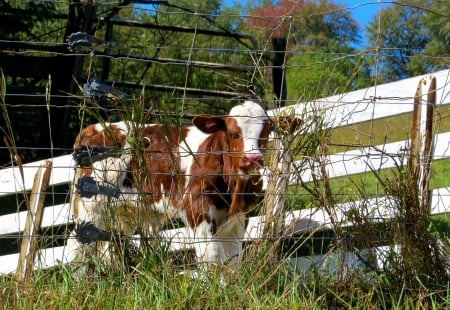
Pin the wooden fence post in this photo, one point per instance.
(422, 139)
(33, 222)
(279, 177)
(276, 188)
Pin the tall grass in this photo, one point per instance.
(156, 284)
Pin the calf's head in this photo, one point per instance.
(247, 129)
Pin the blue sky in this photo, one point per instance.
(362, 10)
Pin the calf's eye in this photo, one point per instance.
(235, 135)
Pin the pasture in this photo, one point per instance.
(347, 220)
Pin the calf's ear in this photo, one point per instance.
(209, 123)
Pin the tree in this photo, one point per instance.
(28, 23)
(321, 44)
(136, 52)
(438, 48)
(171, 54)
(399, 37)
(312, 75)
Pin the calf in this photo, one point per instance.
(206, 174)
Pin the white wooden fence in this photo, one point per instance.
(341, 110)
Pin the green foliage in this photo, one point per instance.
(168, 58)
(399, 36)
(312, 75)
(26, 19)
(436, 20)
(320, 37)
(307, 24)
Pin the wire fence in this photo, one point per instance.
(314, 218)
(135, 66)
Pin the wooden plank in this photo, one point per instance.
(52, 216)
(372, 103)
(10, 180)
(327, 264)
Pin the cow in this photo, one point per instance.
(206, 174)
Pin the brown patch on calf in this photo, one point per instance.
(111, 135)
(208, 180)
(159, 172)
(236, 144)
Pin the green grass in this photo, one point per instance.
(155, 286)
(159, 286)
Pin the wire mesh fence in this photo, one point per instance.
(161, 63)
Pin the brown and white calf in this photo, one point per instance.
(206, 174)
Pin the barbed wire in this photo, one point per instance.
(374, 154)
(349, 194)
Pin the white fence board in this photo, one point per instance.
(45, 258)
(361, 161)
(11, 179)
(295, 222)
(374, 102)
(52, 216)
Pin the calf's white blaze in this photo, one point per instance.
(250, 117)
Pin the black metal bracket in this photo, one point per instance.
(80, 42)
(88, 187)
(102, 91)
(87, 232)
(85, 155)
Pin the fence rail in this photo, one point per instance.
(342, 110)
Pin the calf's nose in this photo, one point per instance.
(251, 159)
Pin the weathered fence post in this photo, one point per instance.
(276, 187)
(279, 176)
(33, 222)
(422, 139)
